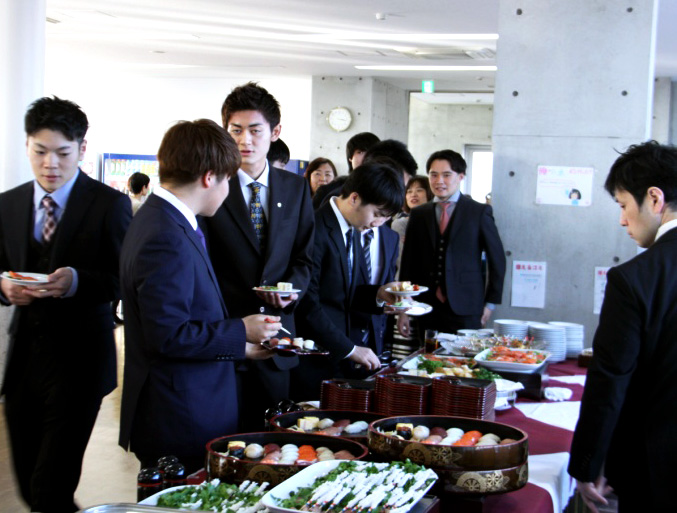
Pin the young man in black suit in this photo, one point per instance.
(443, 249)
(180, 342)
(262, 235)
(61, 361)
(340, 288)
(627, 412)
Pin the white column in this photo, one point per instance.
(574, 85)
(22, 63)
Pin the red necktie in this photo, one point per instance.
(444, 222)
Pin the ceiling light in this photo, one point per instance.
(427, 68)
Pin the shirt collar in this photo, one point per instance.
(453, 198)
(345, 226)
(665, 227)
(245, 179)
(178, 204)
(60, 196)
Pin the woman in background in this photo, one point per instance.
(319, 172)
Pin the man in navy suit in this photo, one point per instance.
(341, 298)
(180, 345)
(443, 249)
(61, 360)
(277, 247)
(627, 425)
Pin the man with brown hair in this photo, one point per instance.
(180, 345)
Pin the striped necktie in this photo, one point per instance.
(366, 248)
(349, 253)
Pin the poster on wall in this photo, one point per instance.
(563, 185)
(528, 284)
(599, 288)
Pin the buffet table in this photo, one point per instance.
(550, 427)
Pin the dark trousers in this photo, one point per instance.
(260, 385)
(49, 422)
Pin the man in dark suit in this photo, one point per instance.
(341, 299)
(627, 424)
(61, 361)
(276, 248)
(180, 345)
(443, 249)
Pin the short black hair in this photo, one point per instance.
(396, 151)
(278, 151)
(376, 184)
(455, 160)
(138, 181)
(190, 149)
(251, 96)
(362, 141)
(642, 166)
(58, 115)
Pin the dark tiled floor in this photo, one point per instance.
(109, 473)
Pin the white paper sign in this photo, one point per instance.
(562, 185)
(600, 286)
(528, 284)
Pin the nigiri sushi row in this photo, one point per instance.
(289, 454)
(452, 436)
(329, 427)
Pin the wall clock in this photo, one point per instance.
(339, 119)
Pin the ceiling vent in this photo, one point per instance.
(450, 53)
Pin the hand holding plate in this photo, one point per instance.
(15, 293)
(276, 299)
(59, 284)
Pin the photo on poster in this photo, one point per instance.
(562, 185)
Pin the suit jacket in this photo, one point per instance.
(471, 231)
(324, 314)
(237, 258)
(628, 411)
(375, 324)
(179, 379)
(78, 330)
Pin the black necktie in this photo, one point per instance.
(349, 253)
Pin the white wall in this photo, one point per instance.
(130, 114)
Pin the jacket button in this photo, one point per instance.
(262, 309)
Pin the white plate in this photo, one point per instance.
(152, 500)
(276, 291)
(420, 290)
(40, 279)
(307, 476)
(522, 368)
(418, 309)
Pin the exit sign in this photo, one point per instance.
(428, 86)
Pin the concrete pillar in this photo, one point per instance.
(574, 86)
(662, 110)
(22, 62)
(376, 107)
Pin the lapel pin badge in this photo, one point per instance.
(279, 205)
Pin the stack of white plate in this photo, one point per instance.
(510, 328)
(575, 334)
(553, 337)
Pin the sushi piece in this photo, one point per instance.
(284, 341)
(236, 449)
(268, 448)
(343, 455)
(432, 439)
(357, 427)
(271, 458)
(404, 430)
(307, 455)
(438, 431)
(507, 441)
(486, 441)
(420, 433)
(309, 345)
(490, 436)
(308, 423)
(342, 423)
(325, 423)
(331, 431)
(469, 439)
(253, 451)
(455, 433)
(297, 342)
(284, 286)
(325, 455)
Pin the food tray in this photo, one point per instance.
(524, 368)
(305, 478)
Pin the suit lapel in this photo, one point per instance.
(338, 242)
(277, 201)
(239, 211)
(79, 202)
(457, 216)
(21, 231)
